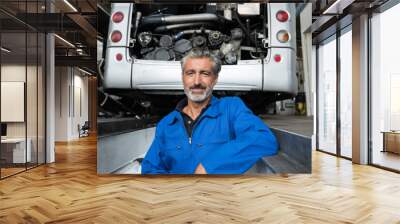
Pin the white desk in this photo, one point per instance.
(18, 150)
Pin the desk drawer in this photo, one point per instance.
(392, 142)
(6, 154)
(15, 152)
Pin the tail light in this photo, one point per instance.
(282, 16)
(283, 36)
(277, 58)
(119, 57)
(116, 36)
(117, 17)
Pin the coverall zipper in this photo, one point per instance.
(194, 126)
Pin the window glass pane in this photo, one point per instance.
(385, 85)
(23, 85)
(346, 94)
(34, 42)
(14, 153)
(41, 98)
(327, 97)
(31, 97)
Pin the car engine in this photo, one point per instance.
(231, 31)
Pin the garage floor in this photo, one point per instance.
(298, 124)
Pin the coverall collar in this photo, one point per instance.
(211, 111)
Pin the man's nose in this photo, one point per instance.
(197, 79)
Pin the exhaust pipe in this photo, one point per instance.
(180, 26)
(189, 18)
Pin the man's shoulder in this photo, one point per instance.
(231, 101)
(167, 118)
(233, 104)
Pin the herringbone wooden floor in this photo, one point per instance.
(70, 191)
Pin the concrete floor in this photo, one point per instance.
(298, 124)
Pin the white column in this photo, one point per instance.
(360, 90)
(50, 92)
(50, 98)
(306, 41)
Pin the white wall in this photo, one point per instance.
(33, 126)
(71, 103)
(17, 72)
(61, 103)
(80, 110)
(12, 73)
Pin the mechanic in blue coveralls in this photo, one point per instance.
(205, 134)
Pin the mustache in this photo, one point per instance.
(199, 86)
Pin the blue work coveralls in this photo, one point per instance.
(227, 138)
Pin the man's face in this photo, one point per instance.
(198, 79)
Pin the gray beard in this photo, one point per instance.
(198, 98)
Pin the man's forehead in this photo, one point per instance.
(198, 63)
(199, 69)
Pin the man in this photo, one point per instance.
(204, 134)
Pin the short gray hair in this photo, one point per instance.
(203, 53)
